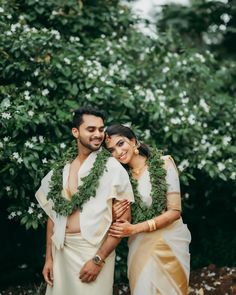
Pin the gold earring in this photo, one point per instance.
(136, 151)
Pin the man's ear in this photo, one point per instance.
(75, 132)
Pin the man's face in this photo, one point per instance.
(90, 134)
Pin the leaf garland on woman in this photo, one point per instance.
(157, 173)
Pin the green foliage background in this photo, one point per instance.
(178, 95)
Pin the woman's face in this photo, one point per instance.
(121, 148)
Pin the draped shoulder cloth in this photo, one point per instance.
(96, 216)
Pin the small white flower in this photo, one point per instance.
(1, 10)
(215, 131)
(200, 57)
(149, 96)
(30, 210)
(221, 166)
(95, 89)
(183, 165)
(63, 145)
(67, 61)
(13, 214)
(159, 91)
(34, 139)
(233, 175)
(1, 145)
(15, 155)
(6, 138)
(8, 188)
(32, 204)
(225, 17)
(166, 128)
(171, 110)
(201, 164)
(30, 113)
(6, 115)
(165, 70)
(8, 33)
(40, 215)
(80, 58)
(20, 160)
(226, 140)
(175, 121)
(36, 72)
(186, 196)
(18, 213)
(45, 92)
(191, 119)
(41, 139)
(88, 95)
(204, 105)
(29, 144)
(6, 103)
(44, 161)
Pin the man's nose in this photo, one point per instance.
(98, 133)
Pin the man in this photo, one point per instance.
(77, 195)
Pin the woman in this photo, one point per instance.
(159, 259)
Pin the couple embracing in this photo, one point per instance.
(87, 197)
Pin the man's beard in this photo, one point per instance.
(89, 146)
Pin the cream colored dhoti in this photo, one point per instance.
(67, 263)
(159, 262)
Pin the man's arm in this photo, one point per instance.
(90, 270)
(48, 266)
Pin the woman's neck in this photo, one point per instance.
(137, 162)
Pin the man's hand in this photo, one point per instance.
(89, 272)
(48, 272)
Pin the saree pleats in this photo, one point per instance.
(158, 262)
(67, 264)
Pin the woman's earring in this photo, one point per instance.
(136, 150)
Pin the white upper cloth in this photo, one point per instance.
(96, 216)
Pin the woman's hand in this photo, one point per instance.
(121, 228)
(119, 208)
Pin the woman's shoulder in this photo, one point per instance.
(169, 162)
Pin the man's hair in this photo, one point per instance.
(86, 110)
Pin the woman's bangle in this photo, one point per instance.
(152, 225)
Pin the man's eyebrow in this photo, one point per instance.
(95, 127)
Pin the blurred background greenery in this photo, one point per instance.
(175, 85)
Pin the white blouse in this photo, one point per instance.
(173, 186)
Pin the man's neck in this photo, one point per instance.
(83, 153)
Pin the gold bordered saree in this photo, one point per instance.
(159, 262)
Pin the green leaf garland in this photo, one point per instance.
(140, 211)
(85, 191)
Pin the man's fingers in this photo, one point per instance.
(48, 279)
(51, 274)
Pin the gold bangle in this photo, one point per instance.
(152, 224)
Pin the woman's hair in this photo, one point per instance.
(118, 129)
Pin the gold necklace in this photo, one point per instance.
(137, 171)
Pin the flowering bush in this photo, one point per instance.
(55, 57)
